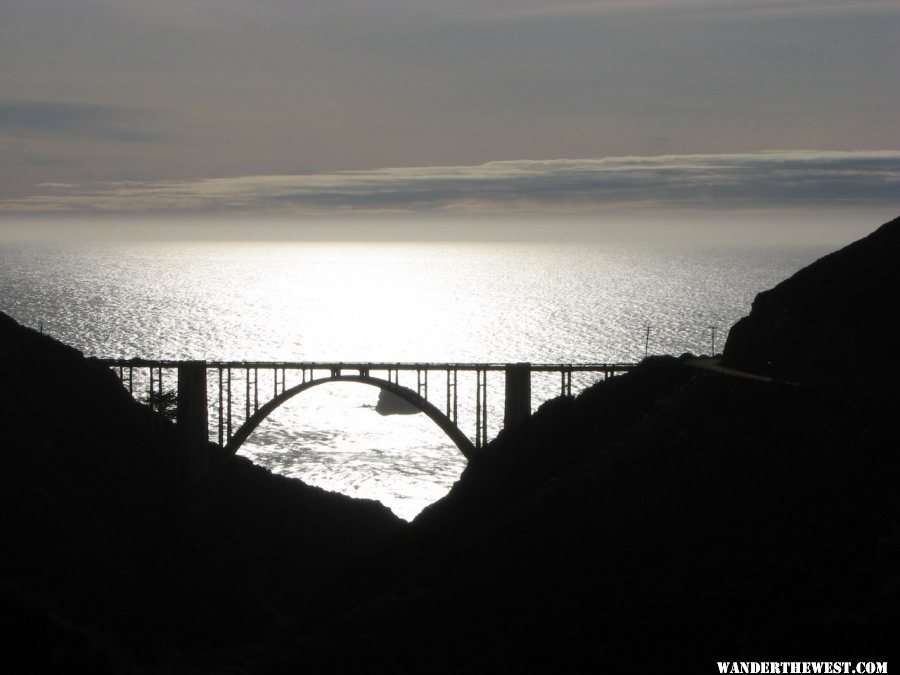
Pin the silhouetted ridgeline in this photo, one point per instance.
(669, 516)
(105, 557)
(830, 321)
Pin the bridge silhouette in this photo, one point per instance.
(242, 394)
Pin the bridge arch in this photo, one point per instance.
(462, 441)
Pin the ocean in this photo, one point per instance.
(385, 302)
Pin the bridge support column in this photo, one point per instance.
(192, 418)
(518, 393)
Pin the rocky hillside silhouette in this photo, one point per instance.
(829, 322)
(106, 560)
(673, 516)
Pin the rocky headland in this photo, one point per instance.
(675, 516)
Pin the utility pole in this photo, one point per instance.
(647, 342)
(713, 341)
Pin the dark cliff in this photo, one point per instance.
(831, 322)
(104, 550)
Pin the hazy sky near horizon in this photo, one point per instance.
(468, 107)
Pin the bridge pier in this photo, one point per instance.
(193, 420)
(518, 393)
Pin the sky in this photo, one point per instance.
(432, 111)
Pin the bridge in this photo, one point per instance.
(238, 395)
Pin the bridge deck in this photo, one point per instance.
(369, 365)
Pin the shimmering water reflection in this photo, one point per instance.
(382, 302)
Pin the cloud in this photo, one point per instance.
(773, 7)
(775, 179)
(63, 118)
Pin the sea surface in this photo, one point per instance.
(423, 302)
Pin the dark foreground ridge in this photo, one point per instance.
(110, 558)
(669, 517)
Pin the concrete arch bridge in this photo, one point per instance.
(239, 395)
